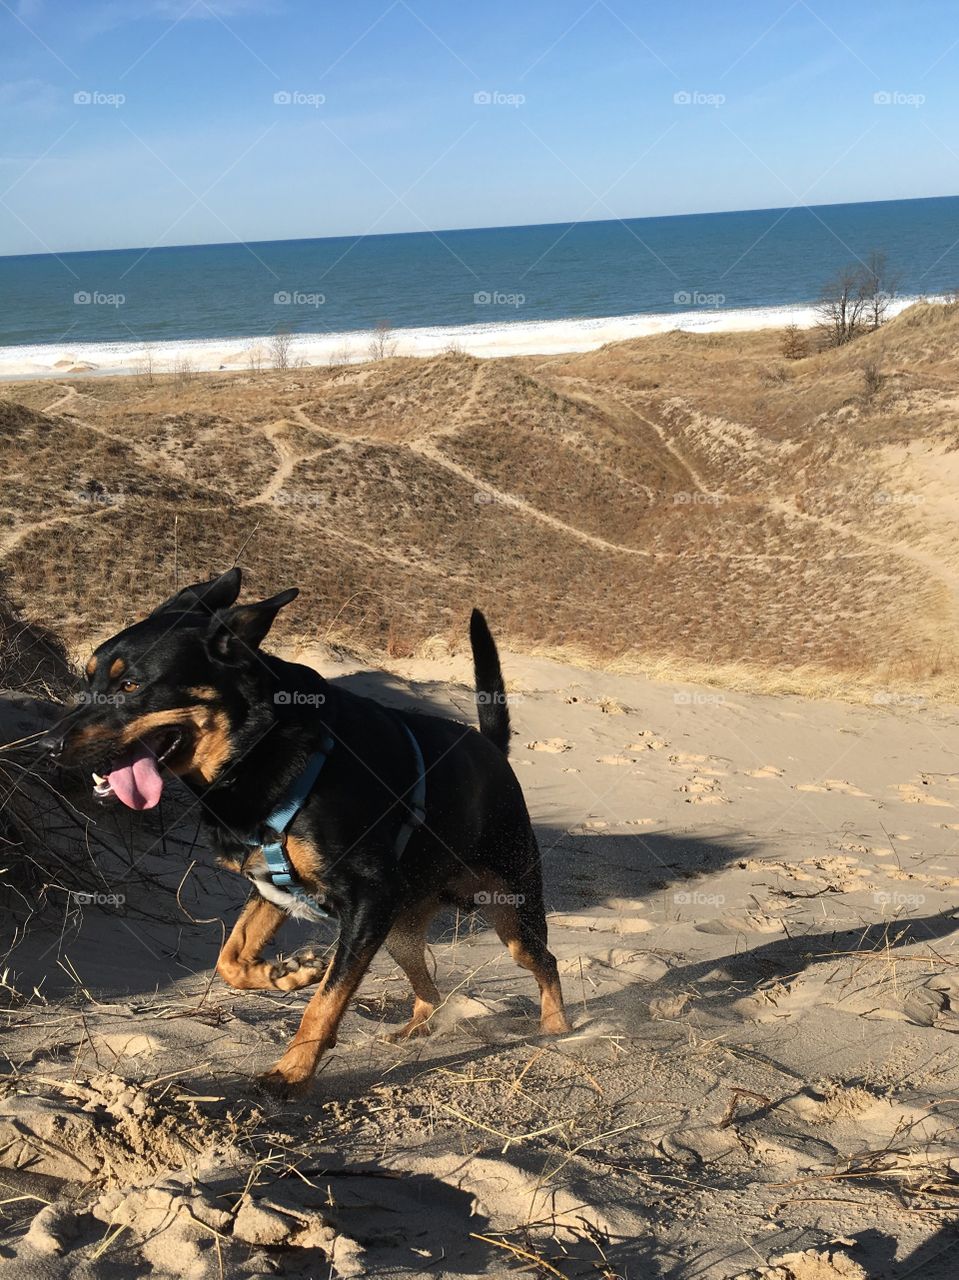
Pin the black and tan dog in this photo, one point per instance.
(330, 803)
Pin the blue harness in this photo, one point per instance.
(280, 871)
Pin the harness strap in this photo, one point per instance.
(278, 865)
(417, 802)
(280, 871)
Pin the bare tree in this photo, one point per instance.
(184, 371)
(880, 285)
(146, 363)
(280, 345)
(382, 343)
(857, 299)
(841, 307)
(254, 356)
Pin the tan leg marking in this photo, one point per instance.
(317, 1031)
(532, 954)
(406, 943)
(240, 963)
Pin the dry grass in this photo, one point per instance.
(678, 502)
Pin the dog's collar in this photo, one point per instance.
(279, 868)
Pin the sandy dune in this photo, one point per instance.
(752, 903)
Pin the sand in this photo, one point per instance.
(516, 338)
(752, 901)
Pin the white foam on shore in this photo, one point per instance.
(537, 337)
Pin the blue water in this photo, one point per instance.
(758, 258)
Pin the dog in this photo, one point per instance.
(329, 803)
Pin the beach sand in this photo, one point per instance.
(752, 902)
(542, 337)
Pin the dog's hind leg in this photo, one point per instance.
(522, 928)
(406, 943)
(241, 962)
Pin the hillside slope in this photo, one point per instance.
(688, 499)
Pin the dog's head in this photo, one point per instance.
(175, 690)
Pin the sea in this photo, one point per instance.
(717, 263)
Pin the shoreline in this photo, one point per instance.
(519, 338)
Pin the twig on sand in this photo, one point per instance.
(508, 1138)
(519, 1253)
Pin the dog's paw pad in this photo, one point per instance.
(305, 958)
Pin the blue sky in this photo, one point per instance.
(586, 110)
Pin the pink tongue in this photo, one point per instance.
(137, 781)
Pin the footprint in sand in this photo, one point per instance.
(767, 771)
(741, 922)
(777, 1000)
(553, 745)
(832, 784)
(647, 742)
(703, 790)
(913, 793)
(620, 760)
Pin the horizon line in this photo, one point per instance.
(508, 226)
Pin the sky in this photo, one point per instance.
(150, 122)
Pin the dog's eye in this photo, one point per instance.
(129, 686)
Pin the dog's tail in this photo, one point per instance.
(490, 689)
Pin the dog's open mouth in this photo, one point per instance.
(134, 778)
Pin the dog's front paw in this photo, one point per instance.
(289, 973)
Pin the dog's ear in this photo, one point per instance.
(236, 631)
(218, 593)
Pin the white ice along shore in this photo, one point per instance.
(537, 337)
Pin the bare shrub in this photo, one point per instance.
(382, 343)
(145, 365)
(873, 379)
(254, 357)
(794, 345)
(33, 659)
(184, 372)
(280, 346)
